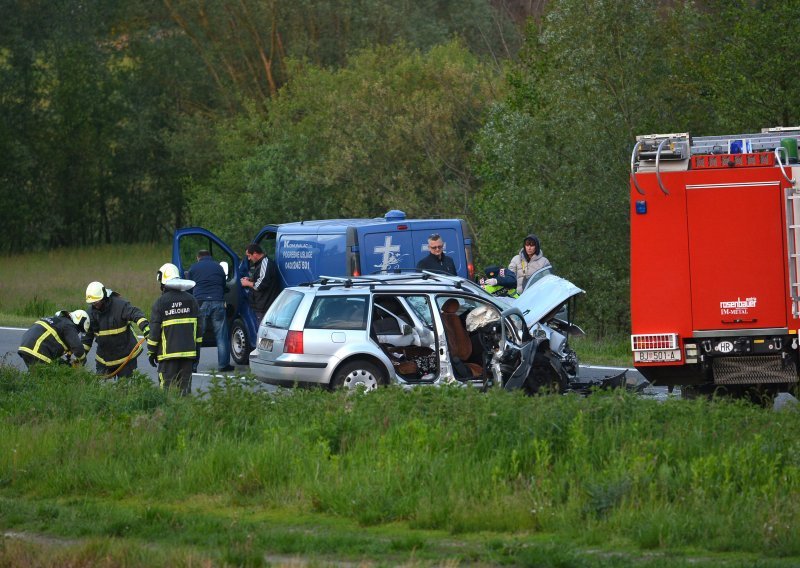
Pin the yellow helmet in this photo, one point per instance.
(167, 272)
(81, 319)
(95, 292)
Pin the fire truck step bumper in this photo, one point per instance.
(758, 369)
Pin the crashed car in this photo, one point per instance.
(418, 329)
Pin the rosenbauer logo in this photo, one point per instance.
(737, 306)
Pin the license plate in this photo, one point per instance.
(658, 356)
(265, 344)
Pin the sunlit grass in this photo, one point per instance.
(237, 474)
(37, 284)
(613, 350)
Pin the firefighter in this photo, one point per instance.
(111, 322)
(499, 281)
(54, 337)
(174, 345)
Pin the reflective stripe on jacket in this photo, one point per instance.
(175, 331)
(50, 338)
(112, 328)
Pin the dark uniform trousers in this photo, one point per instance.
(176, 373)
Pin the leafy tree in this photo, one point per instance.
(391, 130)
(246, 45)
(553, 158)
(748, 63)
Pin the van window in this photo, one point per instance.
(338, 312)
(282, 310)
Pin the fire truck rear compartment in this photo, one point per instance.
(754, 369)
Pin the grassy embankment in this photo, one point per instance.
(124, 474)
(33, 285)
(37, 284)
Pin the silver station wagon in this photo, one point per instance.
(418, 329)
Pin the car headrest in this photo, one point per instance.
(450, 306)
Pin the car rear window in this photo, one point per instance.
(282, 310)
(338, 312)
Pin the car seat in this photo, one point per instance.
(458, 340)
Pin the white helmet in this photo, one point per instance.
(95, 292)
(167, 272)
(81, 319)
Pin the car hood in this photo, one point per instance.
(544, 296)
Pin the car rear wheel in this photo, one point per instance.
(358, 374)
(240, 347)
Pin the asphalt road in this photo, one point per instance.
(10, 338)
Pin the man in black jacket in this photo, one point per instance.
(111, 321)
(263, 279)
(437, 260)
(174, 344)
(50, 338)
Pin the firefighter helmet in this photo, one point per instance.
(167, 272)
(81, 319)
(95, 292)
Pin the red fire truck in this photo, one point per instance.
(715, 234)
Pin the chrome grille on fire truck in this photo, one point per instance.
(753, 369)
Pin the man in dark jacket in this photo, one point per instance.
(209, 291)
(111, 321)
(263, 279)
(50, 338)
(437, 260)
(174, 344)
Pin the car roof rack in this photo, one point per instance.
(389, 279)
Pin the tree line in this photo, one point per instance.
(123, 121)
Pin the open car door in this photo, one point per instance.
(185, 244)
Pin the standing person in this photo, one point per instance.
(174, 345)
(111, 321)
(263, 279)
(437, 260)
(209, 291)
(529, 260)
(52, 337)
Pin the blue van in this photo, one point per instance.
(306, 250)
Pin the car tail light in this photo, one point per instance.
(294, 342)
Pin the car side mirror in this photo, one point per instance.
(407, 329)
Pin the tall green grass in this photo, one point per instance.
(37, 284)
(82, 458)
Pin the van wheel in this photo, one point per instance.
(358, 374)
(240, 347)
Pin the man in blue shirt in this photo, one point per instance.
(209, 291)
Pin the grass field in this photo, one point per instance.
(33, 285)
(123, 474)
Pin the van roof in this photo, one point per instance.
(339, 225)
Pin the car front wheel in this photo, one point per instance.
(358, 374)
(240, 347)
